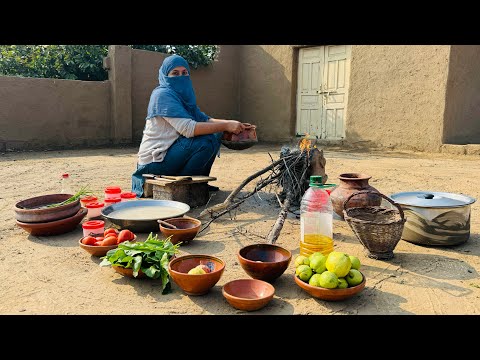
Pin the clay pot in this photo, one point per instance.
(349, 184)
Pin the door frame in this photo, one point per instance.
(294, 97)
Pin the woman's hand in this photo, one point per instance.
(235, 127)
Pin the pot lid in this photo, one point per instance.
(432, 199)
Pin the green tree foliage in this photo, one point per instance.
(83, 62)
(196, 55)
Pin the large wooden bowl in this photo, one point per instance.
(331, 294)
(27, 211)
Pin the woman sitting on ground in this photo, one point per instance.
(178, 139)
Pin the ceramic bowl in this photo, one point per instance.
(264, 261)
(56, 227)
(331, 294)
(188, 228)
(25, 214)
(195, 284)
(248, 294)
(99, 250)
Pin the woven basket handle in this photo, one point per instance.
(376, 193)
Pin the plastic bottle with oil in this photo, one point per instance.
(316, 219)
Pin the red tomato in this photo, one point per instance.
(99, 238)
(125, 235)
(98, 243)
(88, 240)
(110, 231)
(109, 240)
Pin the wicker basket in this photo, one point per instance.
(377, 228)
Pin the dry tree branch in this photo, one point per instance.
(290, 172)
(229, 200)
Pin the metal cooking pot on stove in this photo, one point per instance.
(435, 218)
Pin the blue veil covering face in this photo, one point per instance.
(174, 97)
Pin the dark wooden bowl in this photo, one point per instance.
(25, 211)
(188, 228)
(195, 284)
(264, 261)
(54, 227)
(248, 294)
(331, 294)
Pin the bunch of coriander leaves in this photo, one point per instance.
(151, 256)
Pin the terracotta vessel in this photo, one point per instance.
(28, 211)
(56, 227)
(195, 284)
(264, 261)
(248, 294)
(331, 294)
(349, 184)
(187, 229)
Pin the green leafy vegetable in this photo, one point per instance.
(83, 191)
(151, 256)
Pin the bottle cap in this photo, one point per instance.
(316, 180)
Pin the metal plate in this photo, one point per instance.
(143, 225)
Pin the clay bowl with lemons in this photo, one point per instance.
(332, 277)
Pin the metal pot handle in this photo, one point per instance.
(376, 193)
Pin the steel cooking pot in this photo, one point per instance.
(435, 218)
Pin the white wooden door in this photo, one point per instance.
(323, 74)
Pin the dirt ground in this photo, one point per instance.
(53, 275)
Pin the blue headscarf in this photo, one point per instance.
(174, 97)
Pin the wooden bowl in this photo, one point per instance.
(331, 294)
(264, 261)
(56, 227)
(99, 250)
(188, 229)
(25, 214)
(195, 284)
(248, 294)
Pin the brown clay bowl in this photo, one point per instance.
(331, 294)
(54, 227)
(188, 228)
(244, 140)
(248, 294)
(25, 213)
(195, 284)
(129, 272)
(264, 261)
(99, 250)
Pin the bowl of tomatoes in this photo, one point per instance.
(98, 245)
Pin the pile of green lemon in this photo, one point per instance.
(337, 270)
